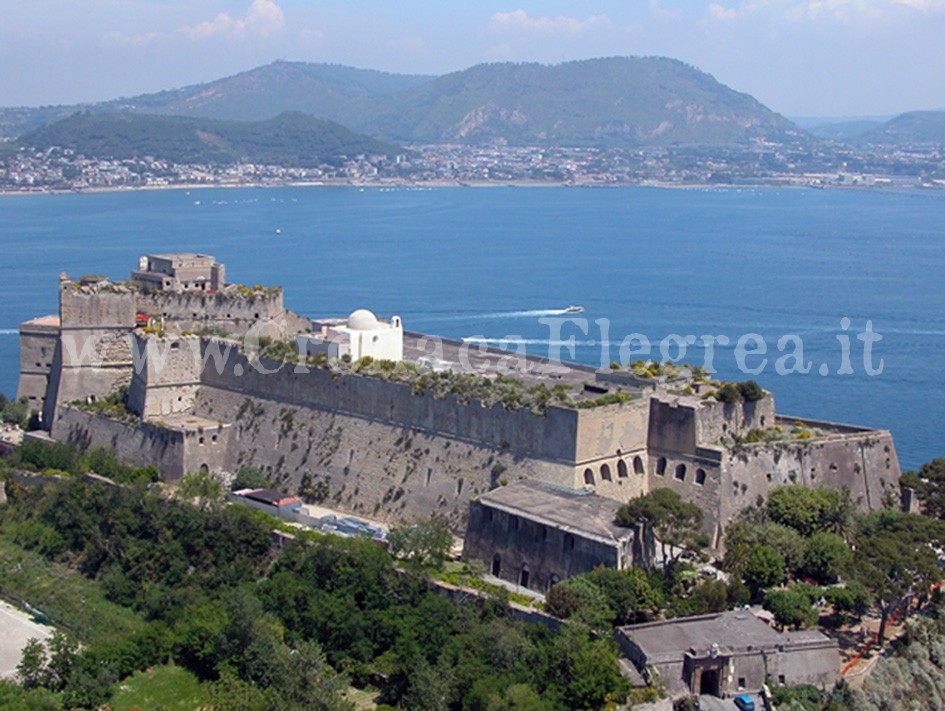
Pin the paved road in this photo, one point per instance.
(16, 629)
(712, 703)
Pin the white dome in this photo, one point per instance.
(362, 320)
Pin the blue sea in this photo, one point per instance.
(495, 263)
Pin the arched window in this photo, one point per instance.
(700, 476)
(523, 576)
(605, 472)
(589, 477)
(621, 469)
(496, 565)
(681, 472)
(638, 465)
(661, 466)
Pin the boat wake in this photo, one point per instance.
(531, 313)
(511, 341)
(8, 331)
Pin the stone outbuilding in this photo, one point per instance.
(535, 534)
(729, 653)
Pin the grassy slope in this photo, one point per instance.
(167, 687)
(65, 595)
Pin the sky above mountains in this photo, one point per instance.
(799, 57)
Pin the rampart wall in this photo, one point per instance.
(93, 356)
(166, 375)
(37, 350)
(231, 311)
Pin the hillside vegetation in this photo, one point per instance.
(616, 101)
(625, 101)
(912, 128)
(291, 139)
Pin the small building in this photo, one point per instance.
(184, 271)
(729, 653)
(275, 503)
(535, 534)
(361, 334)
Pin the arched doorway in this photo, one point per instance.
(496, 565)
(709, 682)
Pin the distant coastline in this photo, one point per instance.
(438, 184)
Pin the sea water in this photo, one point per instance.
(499, 265)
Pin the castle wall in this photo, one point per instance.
(384, 470)
(232, 311)
(166, 375)
(719, 419)
(93, 356)
(863, 461)
(174, 451)
(550, 437)
(38, 340)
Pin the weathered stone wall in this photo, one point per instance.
(385, 470)
(37, 352)
(508, 544)
(719, 419)
(232, 311)
(94, 355)
(863, 461)
(166, 375)
(141, 446)
(550, 437)
(174, 451)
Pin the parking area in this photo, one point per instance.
(16, 629)
(713, 703)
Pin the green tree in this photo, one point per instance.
(31, 671)
(744, 534)
(592, 607)
(230, 693)
(249, 478)
(826, 556)
(765, 568)
(628, 592)
(895, 557)
(929, 484)
(803, 508)
(427, 542)
(790, 607)
(202, 487)
(676, 523)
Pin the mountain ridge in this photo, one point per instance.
(609, 101)
(291, 139)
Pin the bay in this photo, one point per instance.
(497, 262)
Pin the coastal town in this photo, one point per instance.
(762, 164)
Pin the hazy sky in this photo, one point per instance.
(800, 57)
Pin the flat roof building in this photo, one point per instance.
(729, 653)
(183, 271)
(535, 534)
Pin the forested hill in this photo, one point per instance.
(912, 128)
(291, 139)
(625, 101)
(614, 101)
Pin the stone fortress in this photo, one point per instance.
(180, 342)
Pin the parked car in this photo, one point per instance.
(745, 702)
